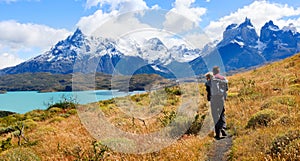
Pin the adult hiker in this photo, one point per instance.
(218, 94)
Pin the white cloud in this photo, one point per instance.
(296, 23)
(155, 7)
(115, 23)
(177, 23)
(17, 35)
(7, 60)
(15, 38)
(184, 7)
(183, 16)
(90, 23)
(197, 40)
(121, 25)
(118, 10)
(259, 12)
(120, 5)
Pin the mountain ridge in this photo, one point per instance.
(241, 47)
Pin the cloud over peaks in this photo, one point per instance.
(16, 37)
(259, 12)
(121, 5)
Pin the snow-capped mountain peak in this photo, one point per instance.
(246, 23)
(240, 47)
(242, 34)
(291, 27)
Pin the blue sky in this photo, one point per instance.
(30, 27)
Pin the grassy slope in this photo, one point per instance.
(58, 134)
(262, 111)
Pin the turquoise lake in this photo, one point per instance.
(24, 101)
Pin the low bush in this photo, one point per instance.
(38, 115)
(72, 112)
(5, 144)
(6, 130)
(168, 117)
(196, 125)
(19, 154)
(64, 103)
(57, 119)
(173, 90)
(286, 146)
(262, 118)
(180, 126)
(55, 110)
(294, 89)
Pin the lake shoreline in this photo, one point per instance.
(3, 92)
(25, 101)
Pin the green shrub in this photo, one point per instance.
(285, 120)
(285, 100)
(168, 117)
(72, 112)
(55, 110)
(107, 102)
(139, 97)
(64, 103)
(5, 144)
(20, 154)
(5, 113)
(261, 118)
(286, 146)
(29, 124)
(57, 119)
(248, 87)
(97, 152)
(12, 119)
(38, 115)
(6, 130)
(64, 115)
(294, 89)
(179, 126)
(196, 125)
(173, 90)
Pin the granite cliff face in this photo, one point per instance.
(241, 47)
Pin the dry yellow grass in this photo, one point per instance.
(262, 111)
(272, 87)
(57, 137)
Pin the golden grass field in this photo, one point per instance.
(262, 111)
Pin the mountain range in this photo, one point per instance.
(241, 47)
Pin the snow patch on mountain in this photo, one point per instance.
(241, 47)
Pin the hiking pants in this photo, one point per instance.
(217, 109)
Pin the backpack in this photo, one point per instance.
(218, 87)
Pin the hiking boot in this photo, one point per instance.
(217, 137)
(223, 132)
